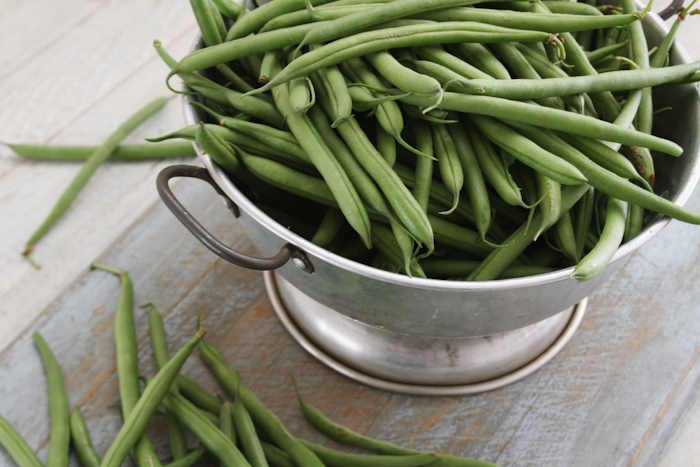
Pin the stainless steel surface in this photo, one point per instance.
(449, 308)
(565, 324)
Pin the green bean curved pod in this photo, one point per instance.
(255, 19)
(91, 164)
(140, 414)
(361, 21)
(250, 442)
(598, 55)
(554, 23)
(124, 152)
(401, 76)
(188, 459)
(529, 153)
(640, 55)
(16, 446)
(386, 145)
(213, 439)
(584, 217)
(275, 456)
(458, 237)
(397, 37)
(449, 165)
(300, 95)
(59, 439)
(424, 166)
(501, 258)
(336, 90)
(386, 243)
(553, 119)
(482, 58)
(263, 418)
(226, 424)
(604, 156)
(606, 181)
(328, 228)
(610, 240)
(222, 153)
(626, 80)
(494, 170)
(229, 8)
(439, 56)
(549, 194)
(206, 22)
(81, 440)
(474, 180)
(563, 232)
(159, 345)
(199, 396)
(323, 159)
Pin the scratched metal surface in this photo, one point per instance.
(612, 397)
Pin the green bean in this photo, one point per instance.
(124, 152)
(563, 232)
(251, 105)
(300, 95)
(336, 90)
(328, 228)
(159, 345)
(584, 216)
(81, 440)
(264, 418)
(323, 159)
(626, 80)
(295, 18)
(549, 192)
(365, 186)
(643, 161)
(446, 77)
(397, 37)
(494, 170)
(450, 268)
(205, 430)
(188, 460)
(250, 442)
(606, 157)
(226, 424)
(660, 57)
(555, 22)
(459, 237)
(634, 222)
(553, 119)
(361, 21)
(501, 258)
(346, 436)
(206, 21)
(640, 55)
(59, 439)
(255, 19)
(275, 456)
(424, 166)
(598, 55)
(474, 180)
(604, 180)
(229, 8)
(483, 59)
(448, 164)
(217, 148)
(101, 154)
(572, 8)
(140, 414)
(128, 372)
(198, 395)
(385, 242)
(16, 446)
(529, 153)
(334, 458)
(441, 57)
(386, 145)
(607, 245)
(403, 77)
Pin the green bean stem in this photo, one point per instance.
(101, 154)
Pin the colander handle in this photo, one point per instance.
(287, 252)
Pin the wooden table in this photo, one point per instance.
(623, 392)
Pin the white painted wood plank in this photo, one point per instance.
(76, 90)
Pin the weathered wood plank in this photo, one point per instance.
(612, 397)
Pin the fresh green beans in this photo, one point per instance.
(276, 456)
(159, 345)
(198, 395)
(128, 374)
(564, 234)
(336, 90)
(584, 216)
(601, 53)
(424, 166)
(328, 228)
(253, 20)
(218, 149)
(482, 58)
(189, 459)
(124, 152)
(246, 432)
(549, 192)
(16, 446)
(59, 439)
(446, 59)
(226, 424)
(403, 77)
(387, 244)
(229, 8)
(101, 154)
(609, 242)
(206, 431)
(453, 268)
(261, 415)
(81, 440)
(448, 163)
(139, 416)
(334, 458)
(386, 145)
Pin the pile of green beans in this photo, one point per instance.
(238, 432)
(480, 133)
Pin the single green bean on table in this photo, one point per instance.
(81, 441)
(101, 154)
(16, 446)
(123, 152)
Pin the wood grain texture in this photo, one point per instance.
(612, 397)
